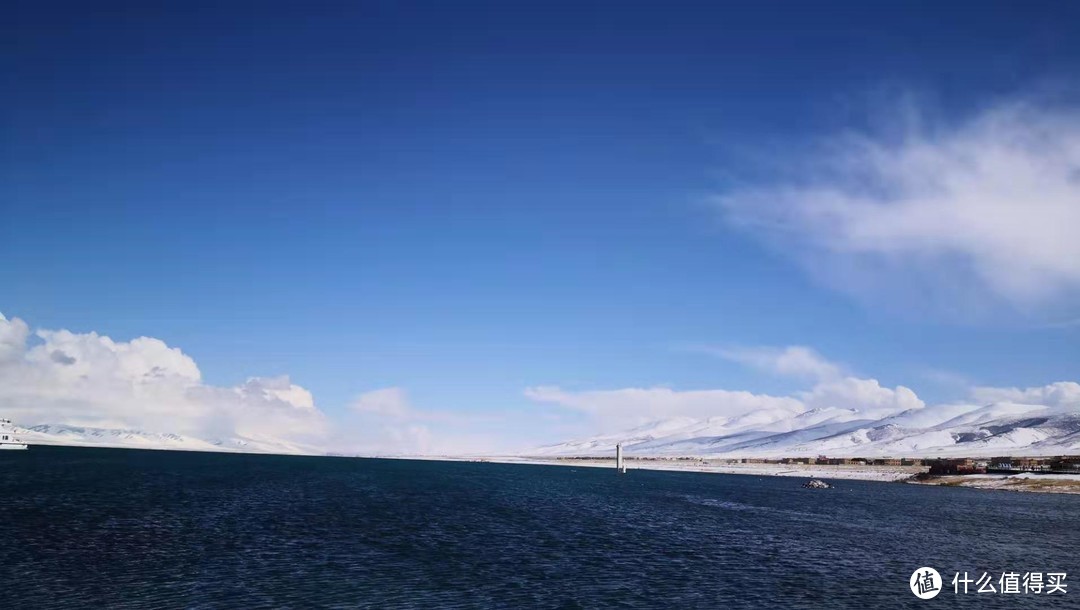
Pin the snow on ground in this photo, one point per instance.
(78, 436)
(947, 431)
(1031, 482)
(1028, 481)
(851, 472)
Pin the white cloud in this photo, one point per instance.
(639, 405)
(86, 379)
(987, 210)
(385, 422)
(278, 389)
(793, 361)
(611, 411)
(632, 406)
(91, 380)
(1061, 394)
(866, 395)
(392, 402)
(620, 409)
(13, 334)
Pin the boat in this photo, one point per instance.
(7, 436)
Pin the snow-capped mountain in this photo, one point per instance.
(60, 434)
(944, 430)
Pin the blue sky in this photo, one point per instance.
(464, 200)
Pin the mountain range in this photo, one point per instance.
(999, 428)
(945, 430)
(61, 434)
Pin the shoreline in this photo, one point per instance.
(1058, 483)
(1026, 482)
(845, 472)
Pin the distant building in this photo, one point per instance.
(846, 461)
(954, 466)
(1066, 464)
(1021, 464)
(1001, 463)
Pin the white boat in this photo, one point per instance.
(7, 436)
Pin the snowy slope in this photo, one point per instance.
(946, 430)
(58, 434)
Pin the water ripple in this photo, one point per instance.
(132, 529)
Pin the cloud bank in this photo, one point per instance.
(949, 217)
(641, 405)
(86, 379)
(634, 406)
(386, 422)
(832, 389)
(791, 361)
(90, 380)
(1061, 394)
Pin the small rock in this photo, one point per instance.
(816, 484)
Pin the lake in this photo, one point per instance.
(152, 529)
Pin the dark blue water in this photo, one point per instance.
(109, 528)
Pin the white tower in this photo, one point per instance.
(618, 460)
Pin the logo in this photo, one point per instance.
(925, 583)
